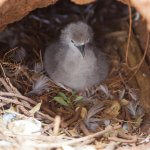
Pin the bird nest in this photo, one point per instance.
(37, 113)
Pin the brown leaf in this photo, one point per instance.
(113, 110)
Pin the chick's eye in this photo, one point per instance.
(72, 41)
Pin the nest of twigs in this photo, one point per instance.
(107, 116)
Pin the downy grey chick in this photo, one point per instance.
(73, 60)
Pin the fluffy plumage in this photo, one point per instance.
(73, 60)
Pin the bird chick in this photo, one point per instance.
(73, 60)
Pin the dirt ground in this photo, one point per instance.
(112, 115)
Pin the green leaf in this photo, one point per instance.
(63, 96)
(78, 98)
(61, 101)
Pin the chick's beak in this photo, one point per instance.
(81, 49)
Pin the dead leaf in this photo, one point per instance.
(83, 112)
(36, 108)
(113, 110)
(124, 102)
